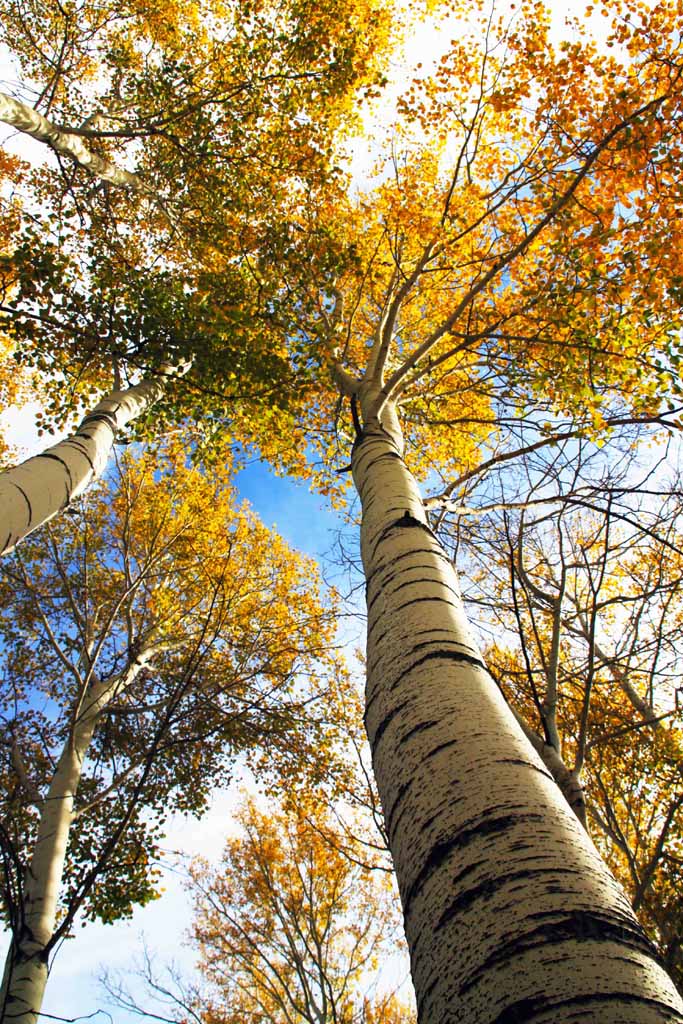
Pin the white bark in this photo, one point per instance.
(570, 786)
(25, 119)
(26, 967)
(36, 490)
(510, 914)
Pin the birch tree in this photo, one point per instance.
(152, 635)
(499, 285)
(38, 489)
(524, 255)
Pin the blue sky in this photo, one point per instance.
(304, 519)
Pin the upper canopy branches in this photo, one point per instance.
(528, 247)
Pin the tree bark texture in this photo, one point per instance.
(38, 489)
(510, 914)
(25, 119)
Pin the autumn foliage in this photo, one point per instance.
(157, 568)
(289, 928)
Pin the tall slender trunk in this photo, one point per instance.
(510, 914)
(36, 490)
(26, 966)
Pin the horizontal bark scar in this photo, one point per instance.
(458, 654)
(422, 727)
(26, 498)
(390, 816)
(109, 418)
(385, 723)
(425, 600)
(442, 850)
(82, 449)
(378, 433)
(488, 888)
(392, 562)
(395, 573)
(406, 521)
(577, 925)
(441, 655)
(526, 1010)
(63, 464)
(431, 580)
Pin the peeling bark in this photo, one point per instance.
(511, 916)
(38, 489)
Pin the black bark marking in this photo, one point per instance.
(487, 888)
(357, 425)
(423, 600)
(82, 450)
(467, 651)
(416, 729)
(443, 849)
(422, 999)
(457, 654)
(436, 581)
(446, 642)
(576, 925)
(406, 522)
(441, 655)
(521, 1012)
(441, 746)
(425, 824)
(393, 818)
(391, 832)
(63, 464)
(591, 925)
(545, 772)
(403, 790)
(368, 705)
(398, 573)
(388, 514)
(526, 1010)
(392, 562)
(26, 498)
(108, 418)
(376, 641)
(386, 722)
(378, 433)
(431, 631)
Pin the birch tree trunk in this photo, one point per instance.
(26, 966)
(38, 489)
(25, 119)
(510, 914)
